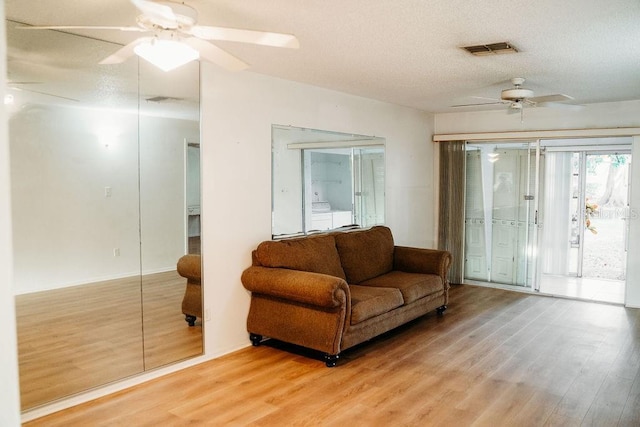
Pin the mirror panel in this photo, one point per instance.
(99, 212)
(75, 206)
(324, 180)
(169, 181)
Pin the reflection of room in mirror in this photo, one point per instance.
(105, 199)
(72, 339)
(331, 187)
(193, 197)
(342, 180)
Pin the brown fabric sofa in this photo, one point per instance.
(330, 292)
(189, 266)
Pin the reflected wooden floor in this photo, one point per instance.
(496, 358)
(76, 338)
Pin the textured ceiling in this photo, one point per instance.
(408, 52)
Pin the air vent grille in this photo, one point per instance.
(162, 99)
(490, 49)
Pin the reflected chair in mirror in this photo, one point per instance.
(189, 266)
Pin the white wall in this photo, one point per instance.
(238, 111)
(10, 401)
(606, 115)
(65, 228)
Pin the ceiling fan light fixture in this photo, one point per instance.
(166, 54)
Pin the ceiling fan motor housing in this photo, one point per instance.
(184, 17)
(516, 94)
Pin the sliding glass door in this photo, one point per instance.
(585, 234)
(550, 215)
(500, 212)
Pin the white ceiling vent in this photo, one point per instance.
(490, 49)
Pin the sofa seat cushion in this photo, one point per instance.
(368, 302)
(365, 254)
(413, 286)
(316, 254)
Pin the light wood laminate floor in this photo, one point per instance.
(496, 358)
(594, 289)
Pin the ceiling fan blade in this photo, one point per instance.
(558, 97)
(572, 107)
(156, 11)
(216, 55)
(124, 53)
(484, 97)
(78, 27)
(476, 105)
(245, 36)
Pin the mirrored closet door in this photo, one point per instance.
(100, 177)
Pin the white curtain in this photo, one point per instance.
(556, 226)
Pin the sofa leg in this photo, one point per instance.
(440, 310)
(191, 320)
(255, 339)
(331, 359)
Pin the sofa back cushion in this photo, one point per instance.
(317, 254)
(365, 254)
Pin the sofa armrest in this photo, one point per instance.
(418, 260)
(301, 286)
(189, 266)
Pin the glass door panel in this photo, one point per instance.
(562, 221)
(606, 210)
(583, 238)
(477, 232)
(500, 213)
(587, 208)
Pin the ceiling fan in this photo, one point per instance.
(518, 97)
(177, 39)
